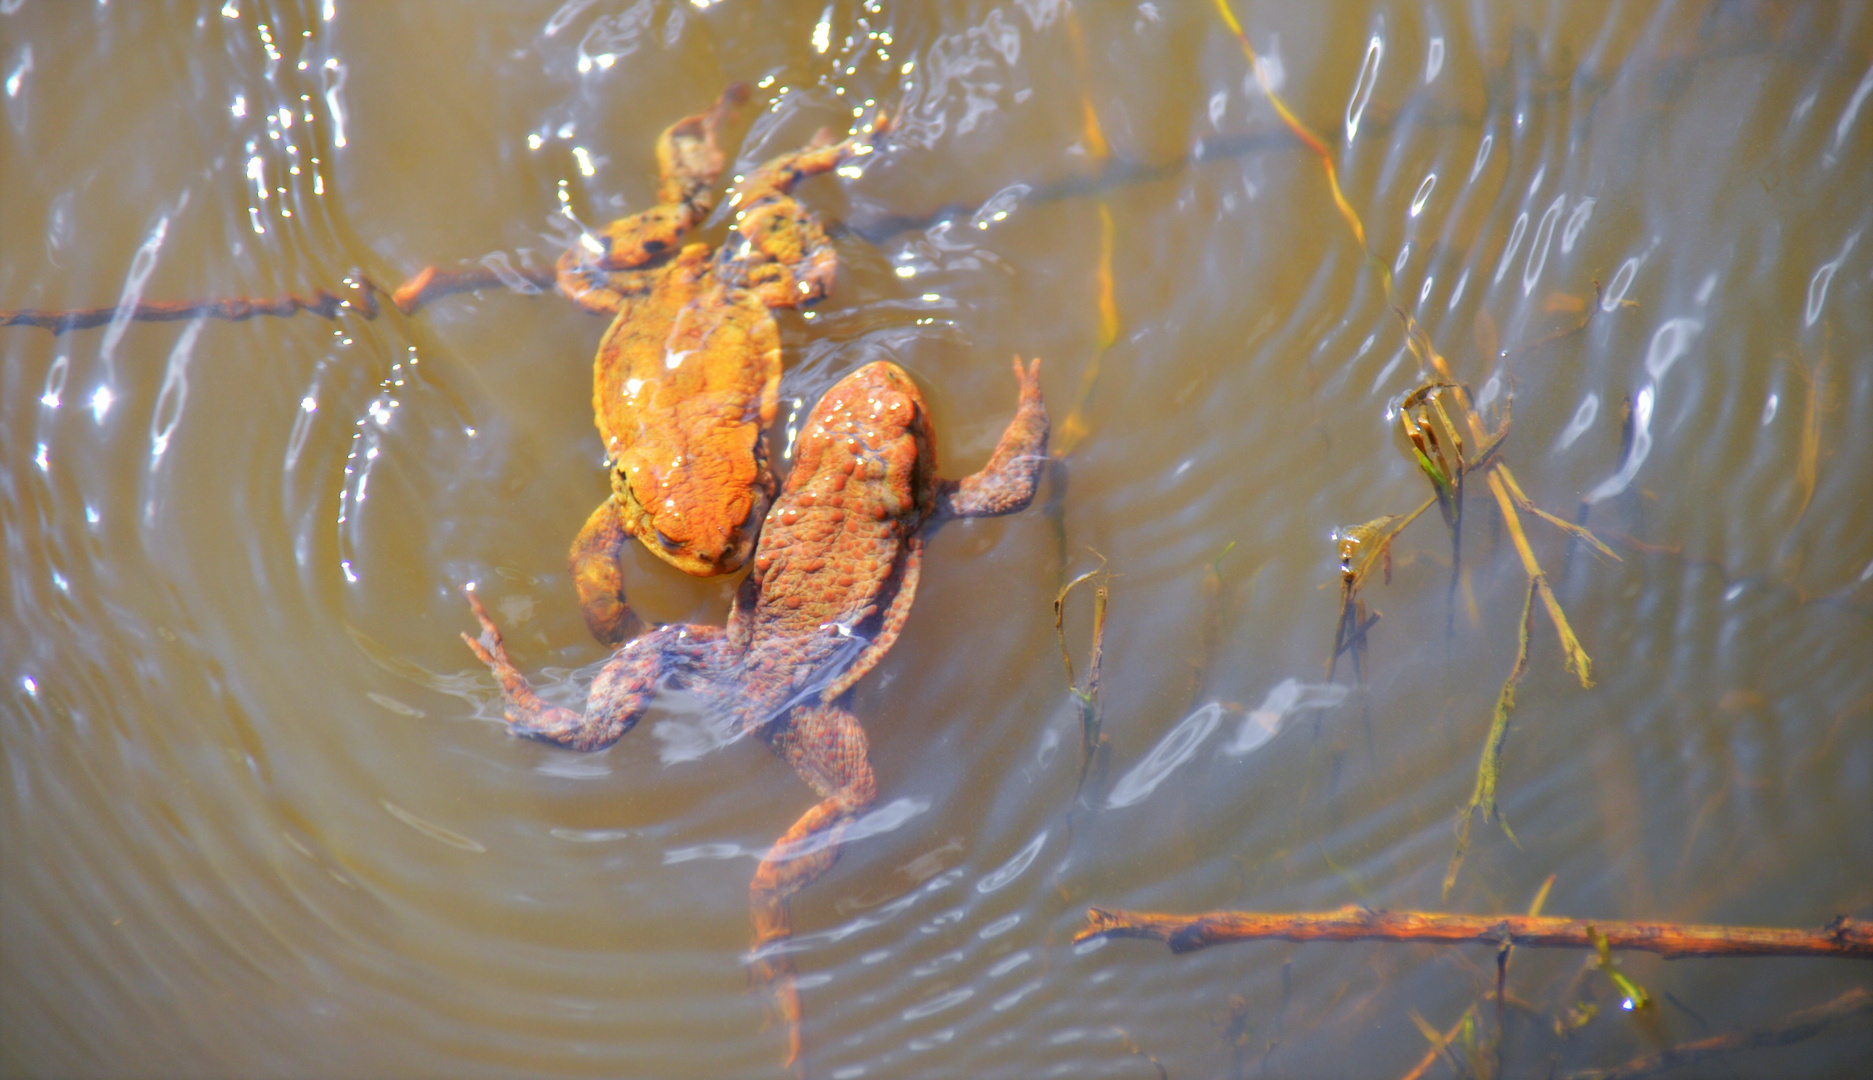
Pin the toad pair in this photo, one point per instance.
(684, 390)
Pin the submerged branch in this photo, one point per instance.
(430, 284)
(1844, 937)
(1792, 1028)
(236, 309)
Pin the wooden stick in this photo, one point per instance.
(1843, 937)
(1794, 1027)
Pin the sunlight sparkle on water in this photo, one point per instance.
(101, 400)
(1424, 192)
(334, 83)
(1362, 86)
(18, 77)
(822, 33)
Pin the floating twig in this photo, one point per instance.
(1844, 937)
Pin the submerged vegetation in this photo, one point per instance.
(1454, 446)
(1448, 451)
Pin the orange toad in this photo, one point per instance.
(686, 379)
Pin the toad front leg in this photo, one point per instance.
(826, 746)
(618, 696)
(599, 578)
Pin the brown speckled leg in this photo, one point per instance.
(598, 577)
(618, 696)
(1006, 484)
(889, 627)
(828, 749)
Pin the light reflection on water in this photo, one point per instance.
(260, 812)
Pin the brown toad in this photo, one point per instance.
(833, 579)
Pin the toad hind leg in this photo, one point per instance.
(826, 746)
(889, 627)
(618, 696)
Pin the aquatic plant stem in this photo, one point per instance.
(1440, 1044)
(1099, 155)
(1577, 659)
(1845, 938)
(1086, 697)
(1483, 796)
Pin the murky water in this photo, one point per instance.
(261, 817)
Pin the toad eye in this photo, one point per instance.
(665, 542)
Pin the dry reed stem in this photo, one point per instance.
(1568, 527)
(1577, 659)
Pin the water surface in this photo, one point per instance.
(261, 817)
